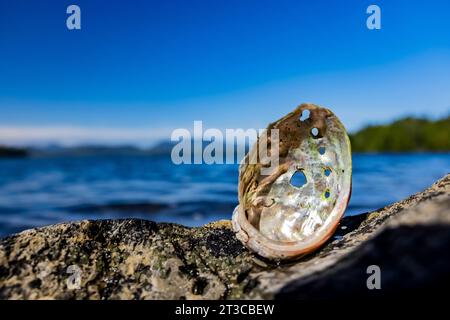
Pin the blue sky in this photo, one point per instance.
(138, 69)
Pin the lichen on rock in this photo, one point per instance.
(139, 259)
(124, 259)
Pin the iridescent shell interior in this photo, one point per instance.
(297, 206)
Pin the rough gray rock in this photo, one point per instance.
(138, 259)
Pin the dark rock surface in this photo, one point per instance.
(137, 259)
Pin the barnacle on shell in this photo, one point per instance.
(279, 218)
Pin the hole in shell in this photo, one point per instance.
(326, 194)
(315, 132)
(305, 115)
(298, 179)
(327, 172)
(322, 150)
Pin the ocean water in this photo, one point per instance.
(38, 191)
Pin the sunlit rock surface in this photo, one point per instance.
(137, 259)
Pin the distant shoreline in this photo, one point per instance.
(6, 153)
(9, 152)
(406, 135)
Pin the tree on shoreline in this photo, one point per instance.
(407, 134)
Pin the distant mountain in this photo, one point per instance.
(404, 135)
(162, 148)
(86, 151)
(8, 152)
